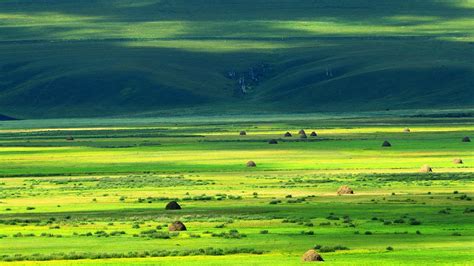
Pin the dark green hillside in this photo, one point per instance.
(105, 57)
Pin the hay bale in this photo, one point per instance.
(466, 139)
(172, 205)
(251, 164)
(313, 134)
(311, 255)
(458, 161)
(273, 141)
(69, 138)
(243, 133)
(386, 144)
(407, 130)
(426, 169)
(344, 190)
(301, 132)
(177, 226)
(287, 134)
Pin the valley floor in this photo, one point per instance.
(99, 197)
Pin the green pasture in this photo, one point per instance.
(102, 195)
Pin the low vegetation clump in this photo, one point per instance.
(140, 254)
(325, 249)
(231, 234)
(154, 234)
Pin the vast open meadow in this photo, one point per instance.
(85, 191)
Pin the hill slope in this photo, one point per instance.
(104, 57)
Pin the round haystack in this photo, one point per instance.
(69, 138)
(287, 134)
(273, 141)
(407, 130)
(243, 133)
(344, 190)
(251, 164)
(313, 134)
(301, 132)
(311, 255)
(303, 136)
(177, 226)
(172, 205)
(426, 169)
(458, 161)
(386, 144)
(466, 139)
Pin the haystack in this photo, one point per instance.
(466, 139)
(273, 141)
(345, 190)
(243, 133)
(311, 255)
(458, 161)
(386, 144)
(303, 136)
(302, 132)
(172, 205)
(177, 226)
(407, 130)
(251, 164)
(313, 134)
(426, 169)
(287, 134)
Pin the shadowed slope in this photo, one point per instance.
(88, 58)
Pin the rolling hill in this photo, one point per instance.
(70, 58)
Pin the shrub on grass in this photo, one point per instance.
(325, 249)
(232, 234)
(468, 210)
(117, 233)
(399, 221)
(332, 216)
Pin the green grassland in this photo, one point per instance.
(102, 57)
(100, 198)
